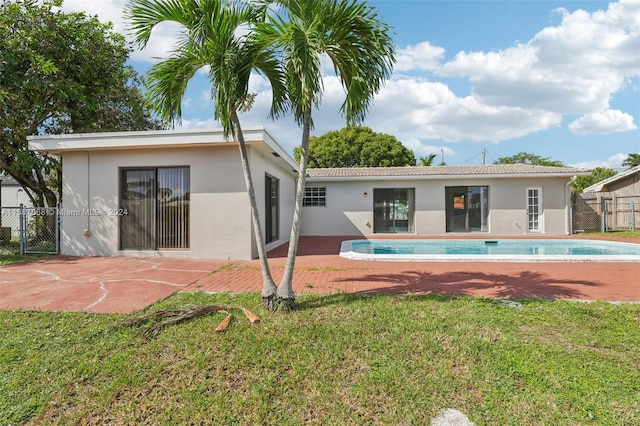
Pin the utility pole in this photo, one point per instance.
(442, 152)
(484, 155)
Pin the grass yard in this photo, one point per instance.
(338, 359)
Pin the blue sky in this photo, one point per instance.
(560, 79)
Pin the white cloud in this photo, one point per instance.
(603, 123)
(413, 108)
(422, 56)
(613, 162)
(163, 36)
(572, 68)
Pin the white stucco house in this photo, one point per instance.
(182, 193)
(12, 194)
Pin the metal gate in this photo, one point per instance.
(29, 230)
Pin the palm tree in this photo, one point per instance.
(213, 36)
(358, 45)
(428, 160)
(632, 160)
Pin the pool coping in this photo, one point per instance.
(346, 251)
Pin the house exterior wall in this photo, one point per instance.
(628, 185)
(220, 216)
(13, 195)
(349, 212)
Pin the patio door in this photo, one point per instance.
(467, 208)
(271, 208)
(534, 209)
(393, 210)
(155, 208)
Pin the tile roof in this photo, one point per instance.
(440, 171)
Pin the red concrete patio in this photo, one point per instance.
(126, 284)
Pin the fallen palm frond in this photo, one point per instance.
(249, 314)
(158, 320)
(224, 324)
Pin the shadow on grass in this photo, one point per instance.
(314, 301)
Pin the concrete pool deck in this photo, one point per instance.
(127, 284)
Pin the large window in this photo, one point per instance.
(393, 210)
(315, 196)
(467, 208)
(156, 202)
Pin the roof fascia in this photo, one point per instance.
(444, 177)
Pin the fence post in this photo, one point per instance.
(632, 216)
(22, 229)
(57, 234)
(603, 217)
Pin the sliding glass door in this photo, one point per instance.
(271, 208)
(155, 207)
(393, 210)
(467, 208)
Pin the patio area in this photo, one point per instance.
(127, 284)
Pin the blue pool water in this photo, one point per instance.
(496, 250)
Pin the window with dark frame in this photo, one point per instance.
(315, 196)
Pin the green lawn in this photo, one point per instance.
(336, 360)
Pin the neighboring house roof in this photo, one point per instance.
(597, 187)
(494, 170)
(8, 181)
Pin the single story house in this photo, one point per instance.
(626, 182)
(12, 194)
(182, 193)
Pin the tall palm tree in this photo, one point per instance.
(213, 36)
(632, 160)
(358, 45)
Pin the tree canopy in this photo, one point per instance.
(597, 175)
(60, 73)
(632, 160)
(357, 146)
(527, 158)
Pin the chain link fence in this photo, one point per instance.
(25, 230)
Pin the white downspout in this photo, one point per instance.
(568, 207)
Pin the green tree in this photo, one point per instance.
(531, 159)
(632, 160)
(213, 35)
(358, 45)
(59, 73)
(427, 161)
(356, 146)
(597, 175)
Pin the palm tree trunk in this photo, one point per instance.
(285, 294)
(268, 285)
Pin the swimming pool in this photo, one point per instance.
(507, 250)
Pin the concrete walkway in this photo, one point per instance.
(126, 284)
